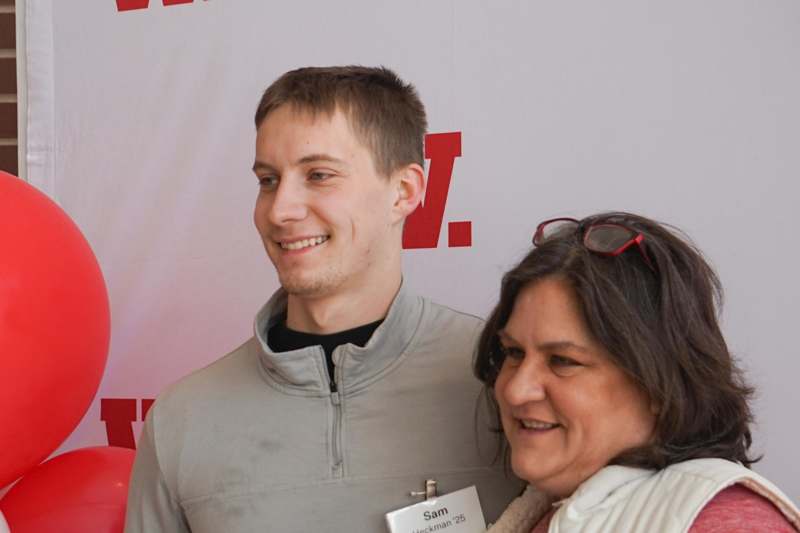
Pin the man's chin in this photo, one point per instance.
(303, 287)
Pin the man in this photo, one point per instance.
(353, 392)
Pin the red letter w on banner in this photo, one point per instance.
(425, 223)
(119, 414)
(128, 5)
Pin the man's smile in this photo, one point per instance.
(302, 243)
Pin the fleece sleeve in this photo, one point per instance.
(152, 507)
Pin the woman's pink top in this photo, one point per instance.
(736, 509)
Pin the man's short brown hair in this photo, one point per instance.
(385, 113)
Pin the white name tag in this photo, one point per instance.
(457, 512)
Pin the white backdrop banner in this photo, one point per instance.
(140, 124)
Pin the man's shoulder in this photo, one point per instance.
(447, 332)
(444, 313)
(235, 370)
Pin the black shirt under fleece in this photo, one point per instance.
(283, 339)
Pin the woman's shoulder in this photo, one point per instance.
(739, 509)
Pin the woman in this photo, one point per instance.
(617, 395)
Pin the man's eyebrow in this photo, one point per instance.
(260, 165)
(319, 158)
(311, 158)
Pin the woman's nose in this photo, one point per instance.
(526, 384)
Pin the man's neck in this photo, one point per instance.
(339, 312)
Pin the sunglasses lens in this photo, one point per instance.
(554, 228)
(607, 238)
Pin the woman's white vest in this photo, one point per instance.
(620, 499)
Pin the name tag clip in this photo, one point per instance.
(429, 492)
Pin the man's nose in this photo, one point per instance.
(289, 202)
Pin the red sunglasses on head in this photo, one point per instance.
(604, 238)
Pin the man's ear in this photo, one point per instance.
(409, 182)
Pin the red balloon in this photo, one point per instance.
(54, 327)
(82, 491)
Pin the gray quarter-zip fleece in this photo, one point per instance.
(257, 442)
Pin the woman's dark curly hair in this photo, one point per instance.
(659, 323)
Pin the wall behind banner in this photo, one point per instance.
(140, 126)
